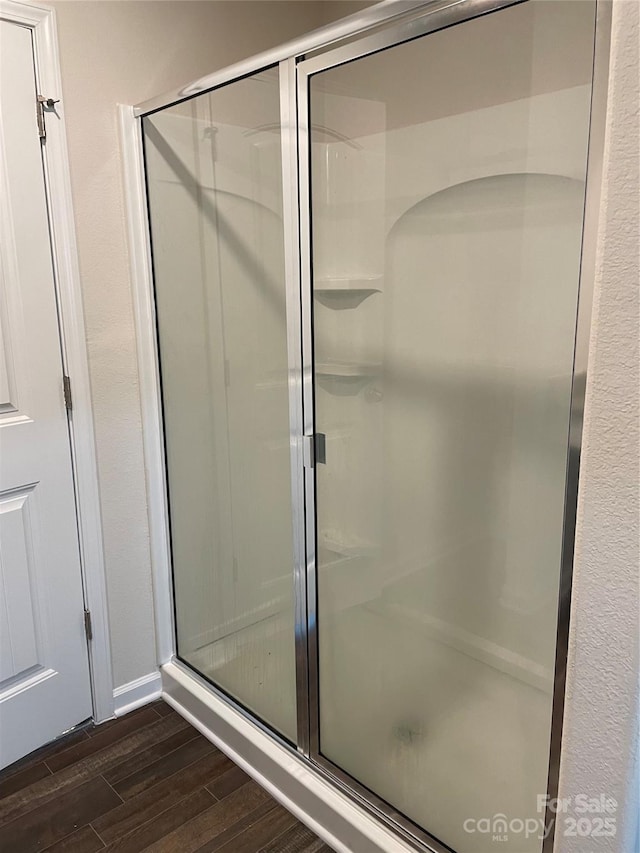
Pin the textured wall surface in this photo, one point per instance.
(601, 718)
(126, 52)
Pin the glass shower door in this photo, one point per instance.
(214, 176)
(447, 194)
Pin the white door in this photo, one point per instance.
(44, 670)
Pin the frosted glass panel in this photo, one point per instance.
(214, 178)
(448, 179)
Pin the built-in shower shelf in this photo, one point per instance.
(348, 292)
(345, 377)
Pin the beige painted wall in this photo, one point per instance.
(124, 52)
(600, 736)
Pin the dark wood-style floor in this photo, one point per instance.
(147, 781)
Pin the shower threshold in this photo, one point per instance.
(305, 791)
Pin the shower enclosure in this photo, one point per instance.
(367, 252)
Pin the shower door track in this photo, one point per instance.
(299, 775)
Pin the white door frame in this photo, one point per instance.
(42, 22)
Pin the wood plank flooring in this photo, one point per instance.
(147, 781)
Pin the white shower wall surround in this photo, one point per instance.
(366, 325)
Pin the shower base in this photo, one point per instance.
(256, 666)
(451, 742)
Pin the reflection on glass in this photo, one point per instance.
(447, 215)
(214, 178)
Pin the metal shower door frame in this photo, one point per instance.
(433, 19)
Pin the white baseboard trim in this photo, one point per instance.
(331, 815)
(136, 693)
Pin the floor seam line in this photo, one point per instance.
(128, 776)
(164, 779)
(114, 791)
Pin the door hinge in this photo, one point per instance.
(41, 103)
(87, 625)
(66, 390)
